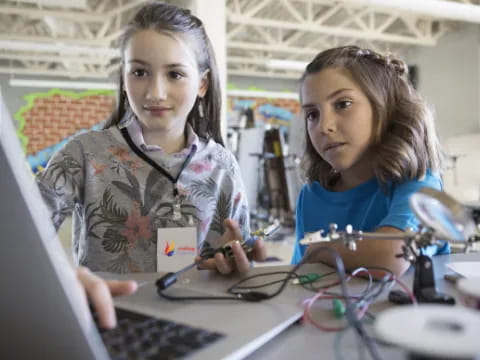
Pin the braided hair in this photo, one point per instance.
(405, 144)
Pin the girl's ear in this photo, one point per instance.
(202, 90)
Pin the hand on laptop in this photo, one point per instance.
(239, 261)
(100, 292)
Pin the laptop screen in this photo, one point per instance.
(43, 310)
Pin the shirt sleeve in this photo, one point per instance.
(399, 213)
(61, 183)
(401, 216)
(231, 202)
(240, 211)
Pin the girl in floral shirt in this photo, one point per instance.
(160, 161)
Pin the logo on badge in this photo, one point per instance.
(169, 248)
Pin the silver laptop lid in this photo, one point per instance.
(43, 310)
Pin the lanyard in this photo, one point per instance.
(176, 206)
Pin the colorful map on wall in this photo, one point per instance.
(50, 119)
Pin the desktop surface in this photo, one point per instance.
(247, 325)
(294, 339)
(307, 342)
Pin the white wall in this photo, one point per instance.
(449, 79)
(13, 96)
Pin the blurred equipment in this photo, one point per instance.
(431, 331)
(275, 176)
(442, 218)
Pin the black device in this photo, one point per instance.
(170, 278)
(247, 245)
(424, 288)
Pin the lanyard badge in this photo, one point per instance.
(177, 209)
(177, 206)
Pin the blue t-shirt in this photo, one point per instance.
(366, 207)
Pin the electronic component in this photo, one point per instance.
(247, 245)
(338, 308)
(170, 278)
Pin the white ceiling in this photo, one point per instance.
(74, 38)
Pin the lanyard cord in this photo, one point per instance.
(152, 163)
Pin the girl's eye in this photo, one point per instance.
(175, 75)
(312, 115)
(342, 104)
(140, 73)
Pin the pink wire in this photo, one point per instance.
(308, 303)
(399, 282)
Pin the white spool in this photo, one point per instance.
(433, 330)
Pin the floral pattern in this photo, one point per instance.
(137, 227)
(118, 202)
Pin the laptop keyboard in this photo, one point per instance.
(138, 336)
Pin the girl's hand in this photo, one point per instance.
(239, 261)
(100, 292)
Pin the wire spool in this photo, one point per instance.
(431, 331)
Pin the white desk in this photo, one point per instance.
(306, 341)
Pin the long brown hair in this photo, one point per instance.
(168, 18)
(405, 144)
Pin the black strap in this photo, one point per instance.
(148, 160)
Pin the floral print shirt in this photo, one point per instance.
(118, 201)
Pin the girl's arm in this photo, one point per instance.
(382, 253)
(369, 253)
(237, 226)
(61, 183)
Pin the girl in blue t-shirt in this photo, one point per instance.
(371, 143)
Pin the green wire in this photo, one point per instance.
(307, 278)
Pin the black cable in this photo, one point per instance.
(237, 287)
(349, 307)
(254, 296)
(293, 273)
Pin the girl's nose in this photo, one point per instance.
(327, 124)
(157, 90)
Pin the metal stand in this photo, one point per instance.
(424, 288)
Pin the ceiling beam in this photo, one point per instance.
(46, 40)
(52, 72)
(55, 59)
(271, 47)
(34, 13)
(438, 9)
(323, 29)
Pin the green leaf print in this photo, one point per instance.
(111, 213)
(132, 190)
(204, 189)
(63, 173)
(224, 206)
(113, 241)
(154, 189)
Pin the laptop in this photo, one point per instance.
(44, 313)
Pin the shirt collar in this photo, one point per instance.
(130, 122)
